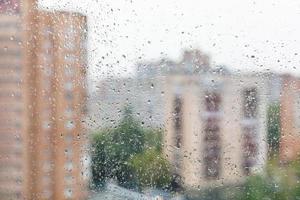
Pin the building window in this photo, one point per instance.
(68, 193)
(47, 166)
(249, 128)
(68, 138)
(69, 124)
(212, 135)
(68, 86)
(46, 125)
(69, 166)
(178, 121)
(9, 6)
(47, 45)
(69, 95)
(69, 112)
(47, 193)
(68, 179)
(69, 152)
(212, 102)
(69, 71)
(70, 58)
(69, 45)
(250, 103)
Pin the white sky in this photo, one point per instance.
(231, 32)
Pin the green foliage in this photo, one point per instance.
(279, 183)
(255, 188)
(111, 148)
(117, 154)
(151, 169)
(153, 139)
(273, 126)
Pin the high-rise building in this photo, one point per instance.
(13, 97)
(42, 102)
(290, 118)
(60, 102)
(11, 106)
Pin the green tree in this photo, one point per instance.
(255, 188)
(273, 126)
(278, 183)
(111, 148)
(151, 169)
(118, 154)
(153, 139)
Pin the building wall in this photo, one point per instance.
(12, 108)
(144, 95)
(188, 159)
(42, 137)
(289, 115)
(145, 92)
(60, 103)
(15, 55)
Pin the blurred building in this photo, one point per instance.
(59, 106)
(42, 67)
(145, 98)
(11, 167)
(290, 118)
(144, 93)
(274, 84)
(216, 127)
(13, 99)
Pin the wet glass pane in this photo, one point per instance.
(135, 100)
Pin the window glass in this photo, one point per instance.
(151, 99)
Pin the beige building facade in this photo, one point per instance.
(215, 128)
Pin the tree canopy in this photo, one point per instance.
(130, 155)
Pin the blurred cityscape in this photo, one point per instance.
(174, 130)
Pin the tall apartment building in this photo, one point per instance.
(215, 127)
(42, 91)
(60, 102)
(13, 98)
(11, 109)
(290, 118)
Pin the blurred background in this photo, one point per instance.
(149, 100)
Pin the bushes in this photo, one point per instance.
(279, 183)
(273, 127)
(151, 169)
(129, 155)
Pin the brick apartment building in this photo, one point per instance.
(42, 102)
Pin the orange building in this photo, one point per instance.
(42, 102)
(59, 105)
(14, 59)
(290, 118)
(11, 106)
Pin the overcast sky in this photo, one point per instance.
(242, 34)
